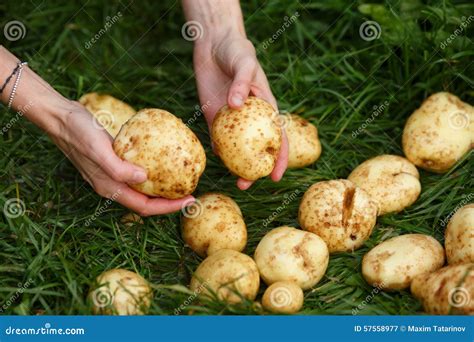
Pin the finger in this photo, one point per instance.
(245, 69)
(282, 161)
(244, 184)
(261, 88)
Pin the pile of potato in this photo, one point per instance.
(335, 215)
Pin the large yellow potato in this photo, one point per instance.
(166, 148)
(342, 214)
(284, 297)
(392, 181)
(290, 254)
(449, 290)
(439, 133)
(247, 140)
(392, 264)
(304, 145)
(120, 292)
(110, 112)
(214, 222)
(459, 236)
(227, 274)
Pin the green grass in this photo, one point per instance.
(319, 67)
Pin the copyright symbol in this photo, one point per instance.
(403, 328)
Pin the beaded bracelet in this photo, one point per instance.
(15, 85)
(10, 77)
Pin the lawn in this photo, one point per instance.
(359, 92)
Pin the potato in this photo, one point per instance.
(283, 297)
(214, 222)
(304, 145)
(290, 254)
(110, 112)
(228, 274)
(394, 263)
(120, 292)
(342, 214)
(247, 140)
(166, 148)
(130, 219)
(391, 181)
(449, 290)
(439, 133)
(459, 236)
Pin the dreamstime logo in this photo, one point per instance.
(281, 119)
(102, 297)
(465, 22)
(14, 30)
(103, 208)
(377, 110)
(458, 297)
(192, 31)
(458, 120)
(192, 210)
(198, 110)
(103, 119)
(281, 297)
(14, 207)
(288, 21)
(109, 22)
(370, 30)
(287, 200)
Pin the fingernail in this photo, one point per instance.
(237, 100)
(139, 176)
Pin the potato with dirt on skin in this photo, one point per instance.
(212, 223)
(439, 133)
(303, 141)
(166, 148)
(120, 292)
(459, 236)
(392, 264)
(284, 297)
(391, 181)
(228, 274)
(110, 112)
(290, 254)
(342, 214)
(248, 139)
(449, 290)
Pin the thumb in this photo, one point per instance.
(245, 69)
(120, 170)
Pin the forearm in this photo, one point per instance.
(34, 97)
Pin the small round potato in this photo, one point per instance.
(394, 263)
(459, 236)
(304, 145)
(439, 133)
(290, 254)
(120, 292)
(391, 181)
(166, 148)
(247, 140)
(284, 297)
(342, 214)
(449, 290)
(216, 223)
(228, 274)
(110, 112)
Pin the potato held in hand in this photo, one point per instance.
(212, 223)
(459, 236)
(166, 148)
(304, 145)
(439, 133)
(449, 290)
(248, 139)
(110, 112)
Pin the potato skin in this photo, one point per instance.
(216, 224)
(392, 181)
(459, 236)
(392, 264)
(120, 292)
(168, 150)
(449, 290)
(342, 214)
(284, 297)
(109, 111)
(225, 272)
(304, 144)
(247, 140)
(290, 254)
(439, 133)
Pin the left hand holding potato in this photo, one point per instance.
(226, 66)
